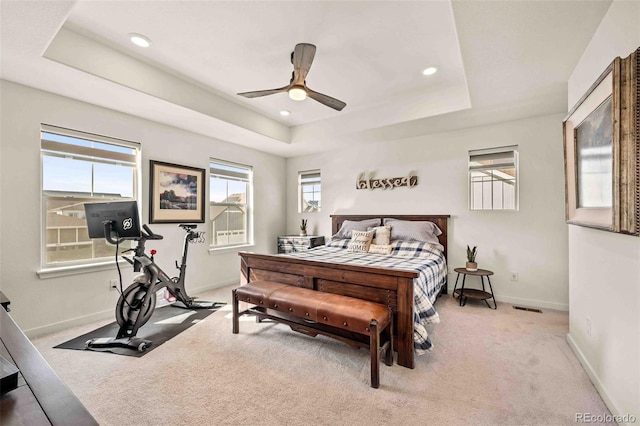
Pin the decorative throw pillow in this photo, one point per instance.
(401, 248)
(341, 243)
(408, 230)
(349, 226)
(381, 235)
(360, 241)
(380, 249)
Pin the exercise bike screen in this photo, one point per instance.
(123, 216)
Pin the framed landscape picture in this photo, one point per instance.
(601, 148)
(176, 193)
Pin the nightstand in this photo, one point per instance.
(294, 243)
(464, 293)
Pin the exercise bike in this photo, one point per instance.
(138, 301)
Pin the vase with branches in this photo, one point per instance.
(472, 265)
(303, 228)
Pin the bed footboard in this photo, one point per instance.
(393, 288)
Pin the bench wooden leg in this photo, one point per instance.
(388, 358)
(374, 346)
(236, 322)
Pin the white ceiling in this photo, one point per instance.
(498, 60)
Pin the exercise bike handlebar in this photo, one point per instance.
(150, 235)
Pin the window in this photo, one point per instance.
(493, 179)
(230, 190)
(309, 191)
(79, 168)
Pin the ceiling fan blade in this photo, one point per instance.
(301, 58)
(326, 100)
(259, 93)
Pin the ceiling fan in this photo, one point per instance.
(301, 58)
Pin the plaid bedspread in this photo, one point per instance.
(423, 258)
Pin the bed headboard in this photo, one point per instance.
(441, 220)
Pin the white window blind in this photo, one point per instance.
(309, 191)
(493, 178)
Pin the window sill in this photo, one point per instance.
(229, 249)
(63, 271)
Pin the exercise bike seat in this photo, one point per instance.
(188, 226)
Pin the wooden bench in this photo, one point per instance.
(359, 323)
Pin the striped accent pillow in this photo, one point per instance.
(342, 243)
(415, 249)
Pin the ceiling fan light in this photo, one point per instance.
(297, 93)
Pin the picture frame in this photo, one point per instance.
(176, 193)
(601, 151)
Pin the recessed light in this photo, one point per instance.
(430, 70)
(285, 113)
(140, 40)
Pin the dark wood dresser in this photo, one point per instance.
(41, 398)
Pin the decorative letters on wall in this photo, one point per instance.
(363, 183)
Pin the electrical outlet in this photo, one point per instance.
(449, 270)
(514, 276)
(113, 285)
(588, 326)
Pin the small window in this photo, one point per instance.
(230, 189)
(79, 168)
(309, 191)
(493, 179)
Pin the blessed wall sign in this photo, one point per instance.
(370, 183)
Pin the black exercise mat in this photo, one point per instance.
(165, 322)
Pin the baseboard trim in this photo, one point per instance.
(108, 314)
(533, 303)
(197, 290)
(202, 289)
(593, 376)
(521, 301)
(74, 322)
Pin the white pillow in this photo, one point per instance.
(380, 249)
(354, 225)
(382, 235)
(360, 241)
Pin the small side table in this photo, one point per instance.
(464, 293)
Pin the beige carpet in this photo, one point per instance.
(487, 368)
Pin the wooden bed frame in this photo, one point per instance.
(390, 287)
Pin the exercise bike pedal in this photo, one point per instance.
(134, 343)
(200, 304)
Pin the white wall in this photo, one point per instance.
(531, 241)
(604, 268)
(43, 305)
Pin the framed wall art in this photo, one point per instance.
(176, 193)
(601, 148)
